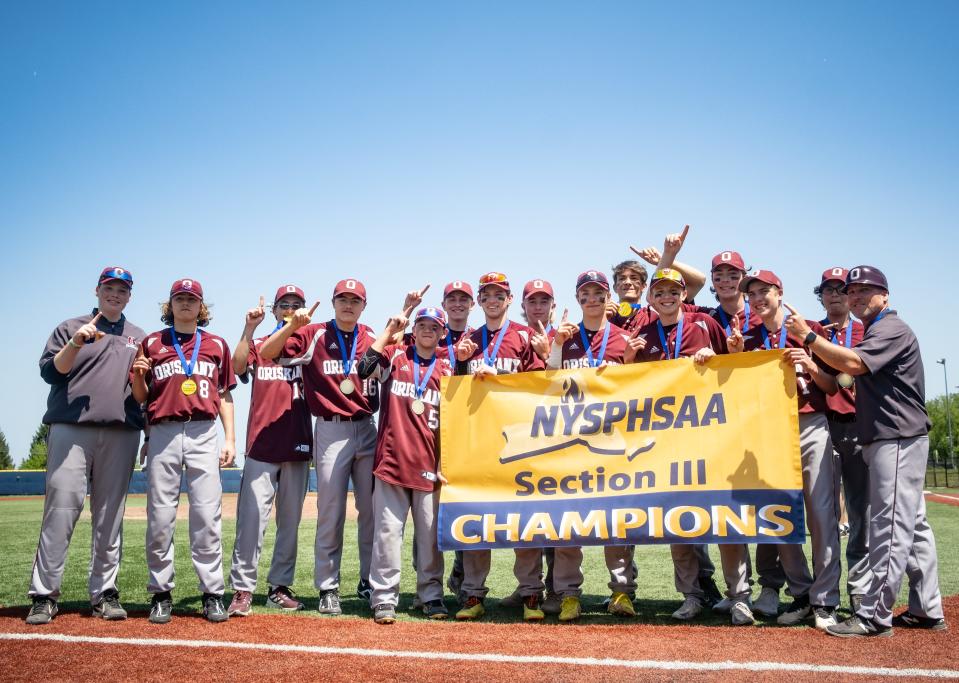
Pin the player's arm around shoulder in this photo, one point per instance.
(273, 347)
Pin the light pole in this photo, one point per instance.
(945, 377)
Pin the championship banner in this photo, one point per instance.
(664, 452)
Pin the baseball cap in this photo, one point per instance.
(767, 276)
(458, 286)
(433, 313)
(350, 286)
(667, 275)
(836, 273)
(116, 273)
(729, 258)
(187, 286)
(866, 275)
(537, 287)
(287, 290)
(494, 279)
(592, 277)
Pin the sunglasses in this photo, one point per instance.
(493, 278)
(117, 274)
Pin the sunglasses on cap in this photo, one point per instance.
(116, 274)
(493, 279)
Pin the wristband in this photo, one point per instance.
(74, 344)
(810, 338)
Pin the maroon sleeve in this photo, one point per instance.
(226, 375)
(717, 335)
(531, 360)
(297, 342)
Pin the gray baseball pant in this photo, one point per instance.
(855, 483)
(690, 561)
(819, 494)
(528, 570)
(343, 451)
(567, 571)
(173, 446)
(78, 455)
(262, 483)
(622, 569)
(476, 565)
(391, 506)
(900, 538)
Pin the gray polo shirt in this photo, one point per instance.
(97, 389)
(891, 397)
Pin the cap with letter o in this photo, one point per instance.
(837, 274)
(594, 277)
(116, 273)
(729, 258)
(187, 286)
(350, 286)
(458, 286)
(432, 313)
(494, 279)
(866, 275)
(289, 290)
(667, 275)
(766, 276)
(538, 287)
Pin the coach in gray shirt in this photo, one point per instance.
(893, 430)
(94, 432)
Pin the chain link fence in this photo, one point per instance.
(941, 471)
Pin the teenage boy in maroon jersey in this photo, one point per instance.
(842, 329)
(407, 461)
(679, 333)
(185, 377)
(279, 447)
(500, 346)
(816, 596)
(594, 342)
(345, 436)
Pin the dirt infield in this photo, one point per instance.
(294, 649)
(947, 499)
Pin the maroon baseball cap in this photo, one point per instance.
(494, 279)
(767, 276)
(729, 258)
(592, 277)
(537, 287)
(187, 286)
(350, 286)
(116, 273)
(458, 286)
(288, 290)
(837, 273)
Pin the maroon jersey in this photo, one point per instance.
(843, 402)
(317, 348)
(443, 348)
(725, 320)
(699, 331)
(279, 428)
(213, 374)
(811, 398)
(407, 445)
(643, 316)
(514, 355)
(575, 356)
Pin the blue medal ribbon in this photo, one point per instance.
(490, 358)
(593, 363)
(879, 317)
(782, 335)
(665, 342)
(420, 387)
(835, 334)
(725, 319)
(449, 346)
(187, 366)
(278, 327)
(347, 364)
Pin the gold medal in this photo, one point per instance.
(418, 407)
(845, 380)
(347, 386)
(188, 387)
(625, 309)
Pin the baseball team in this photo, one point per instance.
(315, 387)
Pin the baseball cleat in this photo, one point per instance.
(436, 610)
(825, 617)
(283, 598)
(724, 606)
(364, 590)
(741, 615)
(512, 600)
(910, 620)
(798, 611)
(213, 608)
(330, 603)
(552, 604)
(161, 608)
(109, 607)
(857, 627)
(571, 609)
(42, 611)
(384, 614)
(710, 590)
(768, 602)
(690, 609)
(472, 609)
(855, 603)
(241, 605)
(621, 605)
(531, 609)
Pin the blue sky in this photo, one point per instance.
(247, 145)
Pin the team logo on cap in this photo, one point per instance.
(837, 272)
(538, 284)
(854, 274)
(350, 284)
(291, 289)
(726, 256)
(457, 284)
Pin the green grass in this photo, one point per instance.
(20, 525)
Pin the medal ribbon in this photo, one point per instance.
(835, 334)
(490, 358)
(278, 327)
(879, 317)
(665, 343)
(725, 319)
(420, 387)
(347, 364)
(187, 366)
(586, 346)
(782, 335)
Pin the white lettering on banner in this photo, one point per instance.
(174, 367)
(582, 362)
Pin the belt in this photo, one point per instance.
(362, 417)
(182, 418)
(842, 418)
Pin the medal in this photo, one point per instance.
(347, 386)
(419, 386)
(188, 387)
(625, 309)
(418, 407)
(845, 380)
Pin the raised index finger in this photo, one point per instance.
(261, 301)
(790, 308)
(565, 314)
(313, 309)
(685, 232)
(424, 290)
(636, 251)
(96, 317)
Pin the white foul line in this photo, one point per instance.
(460, 657)
(941, 495)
